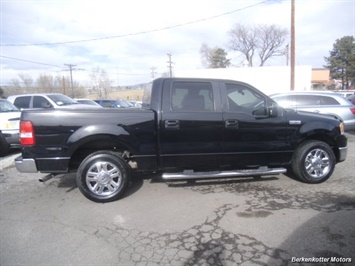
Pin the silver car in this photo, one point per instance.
(9, 127)
(45, 100)
(319, 102)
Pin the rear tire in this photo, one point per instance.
(313, 162)
(103, 176)
(4, 146)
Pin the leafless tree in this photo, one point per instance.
(45, 83)
(16, 83)
(243, 39)
(26, 80)
(100, 81)
(205, 54)
(265, 41)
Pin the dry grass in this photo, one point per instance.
(135, 95)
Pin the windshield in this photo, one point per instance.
(61, 100)
(6, 106)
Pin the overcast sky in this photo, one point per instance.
(127, 38)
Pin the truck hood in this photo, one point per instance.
(306, 115)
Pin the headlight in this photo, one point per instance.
(341, 126)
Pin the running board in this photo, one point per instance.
(190, 174)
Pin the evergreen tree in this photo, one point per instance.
(219, 58)
(214, 57)
(341, 61)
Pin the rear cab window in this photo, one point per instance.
(23, 102)
(147, 96)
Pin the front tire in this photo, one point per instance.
(103, 176)
(313, 162)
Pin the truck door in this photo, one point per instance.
(191, 125)
(253, 137)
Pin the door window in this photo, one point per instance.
(192, 96)
(41, 102)
(243, 99)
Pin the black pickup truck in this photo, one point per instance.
(187, 129)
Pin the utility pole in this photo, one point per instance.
(152, 74)
(292, 45)
(71, 77)
(287, 53)
(170, 65)
(64, 86)
(118, 81)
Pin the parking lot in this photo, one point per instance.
(274, 220)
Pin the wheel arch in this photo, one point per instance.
(326, 139)
(90, 144)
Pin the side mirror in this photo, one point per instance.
(46, 105)
(273, 111)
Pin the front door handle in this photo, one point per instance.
(172, 124)
(233, 124)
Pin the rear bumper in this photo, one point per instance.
(48, 165)
(25, 165)
(12, 138)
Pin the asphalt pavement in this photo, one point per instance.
(275, 220)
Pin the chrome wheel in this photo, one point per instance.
(313, 162)
(317, 163)
(103, 178)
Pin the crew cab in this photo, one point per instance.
(186, 129)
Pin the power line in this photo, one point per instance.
(23, 60)
(44, 64)
(141, 32)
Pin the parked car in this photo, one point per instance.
(329, 103)
(113, 103)
(88, 101)
(351, 98)
(136, 104)
(9, 127)
(345, 93)
(44, 100)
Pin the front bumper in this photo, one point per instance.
(343, 151)
(25, 165)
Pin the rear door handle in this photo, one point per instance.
(172, 124)
(233, 124)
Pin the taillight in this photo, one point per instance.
(27, 134)
(352, 109)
